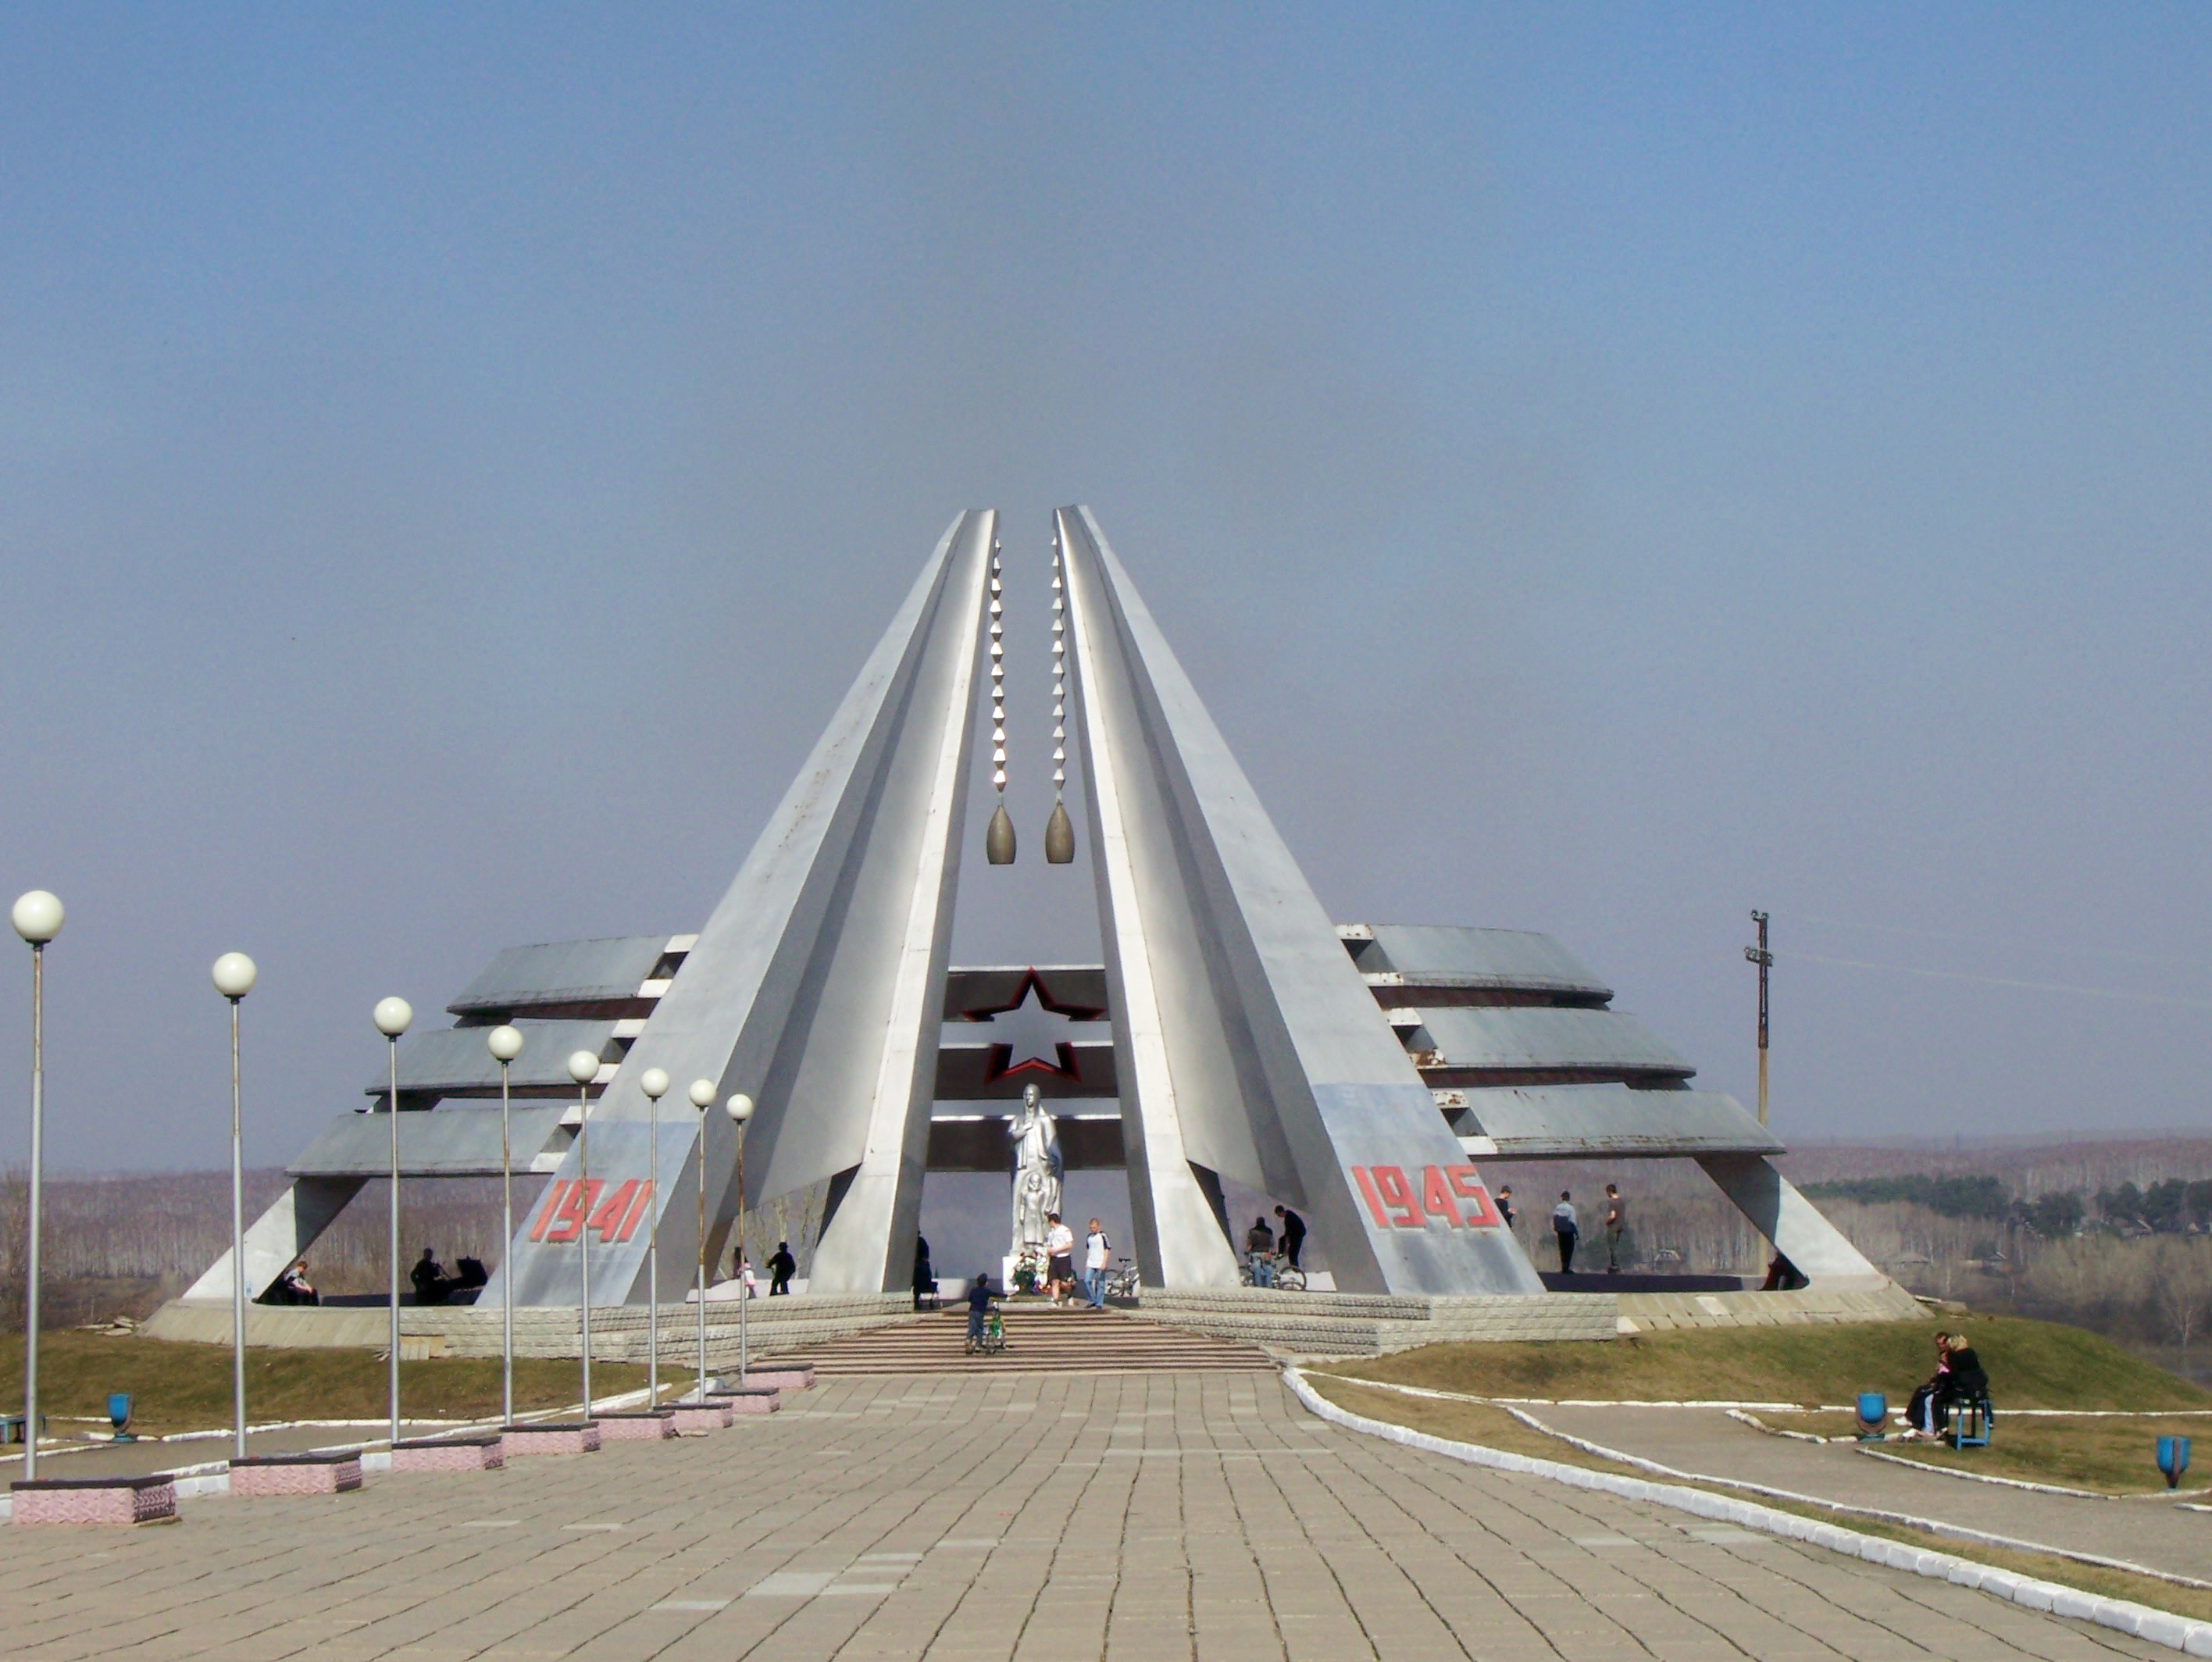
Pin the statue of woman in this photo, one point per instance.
(1036, 1169)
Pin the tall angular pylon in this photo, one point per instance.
(817, 984)
(1246, 1043)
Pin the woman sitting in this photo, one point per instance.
(1959, 1379)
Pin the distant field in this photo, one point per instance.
(2032, 1364)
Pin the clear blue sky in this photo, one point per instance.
(1608, 469)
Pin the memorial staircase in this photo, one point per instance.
(1040, 1339)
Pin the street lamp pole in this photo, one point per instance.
(505, 1044)
(654, 1084)
(37, 919)
(1759, 954)
(703, 1098)
(392, 1017)
(234, 975)
(739, 1107)
(583, 1068)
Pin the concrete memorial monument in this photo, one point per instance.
(1234, 1033)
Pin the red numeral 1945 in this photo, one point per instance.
(1452, 1193)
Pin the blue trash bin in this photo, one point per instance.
(2174, 1458)
(1874, 1414)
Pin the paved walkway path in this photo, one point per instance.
(1140, 1517)
(2152, 1531)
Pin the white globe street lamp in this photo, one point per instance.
(701, 1094)
(739, 1107)
(583, 1068)
(393, 1017)
(234, 976)
(653, 1082)
(38, 918)
(505, 1044)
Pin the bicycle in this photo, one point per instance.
(1122, 1282)
(993, 1342)
(1287, 1277)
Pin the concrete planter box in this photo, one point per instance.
(486, 1453)
(95, 1501)
(749, 1399)
(260, 1475)
(578, 1437)
(710, 1416)
(644, 1425)
(784, 1375)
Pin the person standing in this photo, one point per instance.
(979, 1306)
(1059, 1259)
(1260, 1252)
(1564, 1230)
(1505, 1206)
(1294, 1236)
(1097, 1254)
(1616, 1221)
(782, 1267)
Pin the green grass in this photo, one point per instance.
(2032, 1364)
(2112, 1457)
(186, 1387)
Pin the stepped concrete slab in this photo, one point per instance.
(749, 1399)
(1655, 1311)
(1351, 1325)
(703, 1416)
(264, 1475)
(108, 1501)
(1039, 1339)
(486, 1453)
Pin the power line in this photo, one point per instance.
(2113, 993)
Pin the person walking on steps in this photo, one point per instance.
(1058, 1259)
(1616, 1220)
(1097, 1253)
(979, 1306)
(781, 1268)
(1565, 1229)
(1294, 1236)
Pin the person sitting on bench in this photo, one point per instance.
(431, 1283)
(1959, 1379)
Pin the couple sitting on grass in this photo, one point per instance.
(1960, 1379)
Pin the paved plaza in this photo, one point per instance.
(1138, 1517)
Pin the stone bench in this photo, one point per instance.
(483, 1453)
(784, 1375)
(95, 1501)
(708, 1415)
(749, 1399)
(575, 1437)
(647, 1425)
(263, 1474)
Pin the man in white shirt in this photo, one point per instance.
(1060, 1259)
(1097, 1254)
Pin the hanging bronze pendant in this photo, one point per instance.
(998, 840)
(1059, 837)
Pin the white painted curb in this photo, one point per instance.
(2159, 1626)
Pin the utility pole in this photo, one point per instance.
(1760, 956)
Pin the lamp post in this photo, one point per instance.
(703, 1098)
(739, 1107)
(504, 1043)
(583, 1068)
(37, 919)
(654, 1084)
(392, 1017)
(234, 975)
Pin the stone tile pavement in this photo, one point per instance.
(1135, 1517)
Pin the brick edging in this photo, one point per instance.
(2159, 1626)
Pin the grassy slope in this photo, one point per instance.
(186, 1387)
(2032, 1364)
